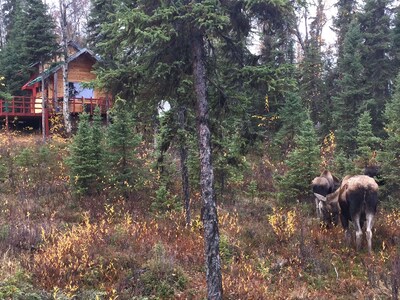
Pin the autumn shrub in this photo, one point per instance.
(73, 258)
(244, 280)
(31, 168)
(162, 276)
(283, 223)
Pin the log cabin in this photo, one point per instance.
(82, 96)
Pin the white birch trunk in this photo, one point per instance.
(43, 106)
(63, 24)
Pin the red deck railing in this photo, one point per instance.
(77, 105)
(31, 107)
(19, 106)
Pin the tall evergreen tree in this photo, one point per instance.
(8, 8)
(375, 29)
(346, 10)
(303, 164)
(395, 44)
(40, 34)
(13, 60)
(30, 41)
(351, 96)
(311, 67)
(391, 145)
(100, 13)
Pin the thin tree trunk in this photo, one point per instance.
(43, 105)
(183, 152)
(209, 211)
(63, 24)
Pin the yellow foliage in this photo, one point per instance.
(328, 151)
(283, 223)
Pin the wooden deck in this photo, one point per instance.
(19, 107)
(31, 107)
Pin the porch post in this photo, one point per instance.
(47, 122)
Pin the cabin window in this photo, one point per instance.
(76, 90)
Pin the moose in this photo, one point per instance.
(323, 185)
(356, 200)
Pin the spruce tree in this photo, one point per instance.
(98, 147)
(40, 32)
(100, 13)
(375, 29)
(303, 164)
(13, 59)
(8, 8)
(395, 44)
(82, 161)
(31, 40)
(346, 10)
(291, 115)
(367, 142)
(311, 67)
(351, 96)
(391, 145)
(121, 144)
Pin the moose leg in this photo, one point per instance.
(358, 231)
(370, 223)
(317, 208)
(345, 225)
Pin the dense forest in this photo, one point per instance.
(198, 183)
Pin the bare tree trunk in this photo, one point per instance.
(209, 211)
(63, 24)
(183, 153)
(43, 105)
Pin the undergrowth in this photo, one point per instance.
(55, 246)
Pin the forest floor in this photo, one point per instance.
(56, 246)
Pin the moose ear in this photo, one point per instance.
(320, 197)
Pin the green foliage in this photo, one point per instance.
(252, 189)
(367, 142)
(228, 160)
(84, 161)
(164, 201)
(31, 39)
(375, 26)
(391, 145)
(291, 116)
(121, 144)
(4, 95)
(311, 82)
(162, 277)
(303, 165)
(19, 287)
(227, 249)
(342, 165)
(345, 14)
(351, 96)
